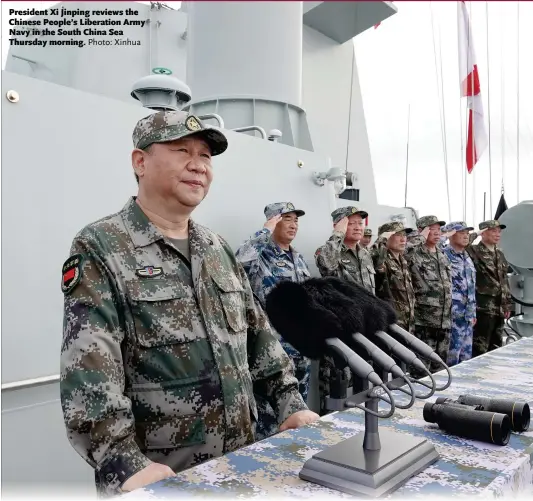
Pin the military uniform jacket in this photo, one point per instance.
(266, 264)
(431, 277)
(334, 259)
(492, 284)
(393, 284)
(463, 284)
(160, 360)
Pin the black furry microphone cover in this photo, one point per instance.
(307, 313)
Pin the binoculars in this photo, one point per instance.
(479, 418)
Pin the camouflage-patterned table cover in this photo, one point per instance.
(465, 467)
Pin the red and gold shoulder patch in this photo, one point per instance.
(71, 273)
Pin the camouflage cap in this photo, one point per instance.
(491, 223)
(165, 126)
(343, 212)
(280, 208)
(367, 232)
(457, 226)
(426, 221)
(395, 227)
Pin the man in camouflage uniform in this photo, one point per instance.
(393, 279)
(463, 292)
(163, 343)
(431, 276)
(367, 238)
(493, 297)
(342, 256)
(268, 258)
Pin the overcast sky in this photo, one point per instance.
(400, 67)
(397, 68)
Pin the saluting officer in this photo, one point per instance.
(393, 279)
(268, 258)
(431, 276)
(342, 255)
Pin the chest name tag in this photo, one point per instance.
(346, 261)
(281, 264)
(149, 271)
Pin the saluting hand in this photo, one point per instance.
(342, 225)
(450, 233)
(425, 232)
(272, 222)
(387, 235)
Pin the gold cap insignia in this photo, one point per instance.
(354, 210)
(290, 206)
(193, 124)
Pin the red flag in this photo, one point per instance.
(470, 88)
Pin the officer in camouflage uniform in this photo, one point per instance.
(367, 238)
(431, 276)
(393, 279)
(163, 343)
(342, 256)
(463, 292)
(493, 297)
(268, 258)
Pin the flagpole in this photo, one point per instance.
(518, 103)
(488, 107)
(407, 152)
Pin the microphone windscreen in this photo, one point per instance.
(359, 310)
(300, 319)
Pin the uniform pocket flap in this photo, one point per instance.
(232, 299)
(227, 282)
(173, 433)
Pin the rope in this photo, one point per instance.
(470, 41)
(502, 99)
(517, 102)
(350, 108)
(407, 153)
(462, 166)
(488, 97)
(465, 178)
(443, 130)
(444, 126)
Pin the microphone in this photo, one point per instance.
(314, 330)
(421, 348)
(381, 312)
(386, 363)
(340, 308)
(408, 358)
(343, 356)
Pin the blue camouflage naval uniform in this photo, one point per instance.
(266, 264)
(463, 299)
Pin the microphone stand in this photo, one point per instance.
(362, 464)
